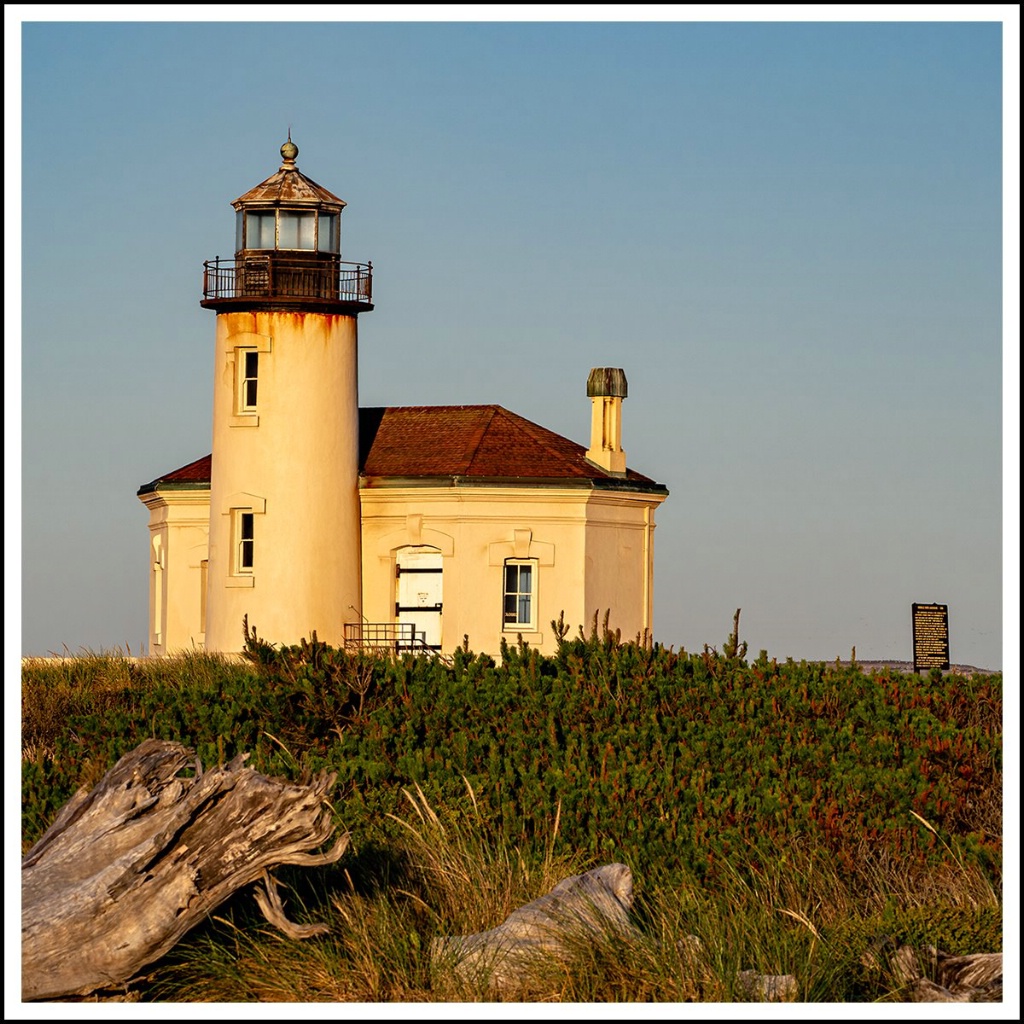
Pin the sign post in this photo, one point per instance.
(931, 636)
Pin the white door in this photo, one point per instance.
(419, 596)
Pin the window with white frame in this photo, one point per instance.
(249, 372)
(245, 541)
(519, 605)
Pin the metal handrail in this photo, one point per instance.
(388, 637)
(270, 276)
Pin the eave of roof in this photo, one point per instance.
(456, 480)
(193, 476)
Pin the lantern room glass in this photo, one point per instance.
(327, 236)
(309, 230)
(297, 229)
(259, 229)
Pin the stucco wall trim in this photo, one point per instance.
(415, 534)
(520, 547)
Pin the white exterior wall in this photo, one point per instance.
(293, 463)
(593, 552)
(620, 562)
(179, 523)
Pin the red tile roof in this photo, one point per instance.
(197, 472)
(469, 441)
(484, 442)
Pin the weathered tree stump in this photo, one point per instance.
(127, 869)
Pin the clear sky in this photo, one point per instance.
(789, 235)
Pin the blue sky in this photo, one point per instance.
(789, 235)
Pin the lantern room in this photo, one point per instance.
(288, 250)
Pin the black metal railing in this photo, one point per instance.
(391, 637)
(269, 276)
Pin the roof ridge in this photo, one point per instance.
(479, 433)
(541, 434)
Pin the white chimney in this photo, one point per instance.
(606, 388)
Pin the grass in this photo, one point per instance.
(442, 872)
(90, 683)
(692, 943)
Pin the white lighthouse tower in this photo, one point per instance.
(284, 500)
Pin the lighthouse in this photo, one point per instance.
(284, 537)
(395, 529)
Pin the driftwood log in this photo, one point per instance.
(596, 905)
(127, 869)
(585, 906)
(580, 909)
(933, 976)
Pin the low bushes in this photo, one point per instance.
(786, 813)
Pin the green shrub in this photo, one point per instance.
(693, 762)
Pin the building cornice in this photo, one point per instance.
(165, 495)
(655, 490)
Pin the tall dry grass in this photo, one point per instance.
(691, 943)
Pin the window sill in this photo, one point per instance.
(248, 420)
(530, 637)
(241, 581)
